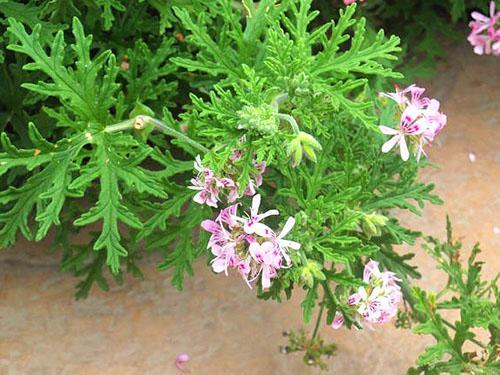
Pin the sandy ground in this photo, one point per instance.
(139, 328)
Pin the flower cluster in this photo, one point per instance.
(485, 32)
(420, 120)
(210, 187)
(248, 245)
(377, 303)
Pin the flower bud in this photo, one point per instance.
(303, 144)
(295, 151)
(311, 271)
(372, 224)
(262, 118)
(300, 85)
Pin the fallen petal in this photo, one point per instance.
(472, 156)
(180, 360)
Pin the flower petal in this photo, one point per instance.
(405, 154)
(291, 244)
(210, 226)
(338, 321)
(255, 204)
(387, 130)
(370, 268)
(287, 227)
(219, 265)
(262, 230)
(387, 146)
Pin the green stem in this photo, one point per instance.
(291, 121)
(139, 122)
(318, 320)
(442, 293)
(448, 324)
(278, 99)
(124, 125)
(160, 125)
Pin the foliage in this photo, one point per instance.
(427, 26)
(85, 159)
(113, 179)
(104, 105)
(477, 302)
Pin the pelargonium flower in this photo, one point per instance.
(420, 121)
(338, 320)
(348, 2)
(377, 303)
(271, 253)
(224, 239)
(207, 184)
(248, 245)
(485, 32)
(210, 187)
(252, 224)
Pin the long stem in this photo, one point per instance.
(139, 122)
(278, 99)
(318, 320)
(442, 293)
(290, 120)
(124, 125)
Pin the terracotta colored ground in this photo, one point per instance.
(141, 327)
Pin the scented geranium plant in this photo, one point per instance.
(251, 134)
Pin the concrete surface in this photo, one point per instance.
(139, 328)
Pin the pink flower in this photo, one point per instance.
(347, 2)
(253, 223)
(247, 245)
(282, 244)
(371, 269)
(338, 321)
(223, 241)
(485, 34)
(237, 154)
(206, 183)
(377, 303)
(210, 187)
(256, 179)
(420, 121)
(272, 252)
(230, 185)
(408, 126)
(398, 96)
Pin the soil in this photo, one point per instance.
(140, 327)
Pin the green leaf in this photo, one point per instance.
(109, 208)
(401, 198)
(309, 302)
(30, 14)
(186, 248)
(108, 6)
(82, 90)
(432, 354)
(46, 190)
